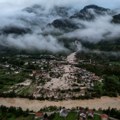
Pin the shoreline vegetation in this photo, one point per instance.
(57, 113)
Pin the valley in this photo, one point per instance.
(59, 58)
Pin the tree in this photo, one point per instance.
(112, 85)
(98, 88)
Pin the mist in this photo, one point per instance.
(14, 15)
(99, 29)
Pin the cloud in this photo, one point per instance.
(12, 14)
(94, 31)
(32, 42)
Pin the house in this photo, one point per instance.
(39, 115)
(83, 116)
(63, 112)
(90, 113)
(104, 117)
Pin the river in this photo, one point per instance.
(36, 105)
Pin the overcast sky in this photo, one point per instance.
(8, 7)
(76, 3)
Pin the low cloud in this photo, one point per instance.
(13, 13)
(94, 31)
(32, 42)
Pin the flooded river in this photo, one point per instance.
(36, 105)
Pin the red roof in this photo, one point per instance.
(39, 114)
(104, 116)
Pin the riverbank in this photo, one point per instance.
(35, 105)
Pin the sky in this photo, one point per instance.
(16, 4)
(8, 7)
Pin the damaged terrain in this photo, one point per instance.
(50, 78)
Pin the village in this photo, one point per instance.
(51, 78)
(47, 77)
(58, 113)
(78, 113)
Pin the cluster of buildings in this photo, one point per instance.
(51, 78)
(63, 114)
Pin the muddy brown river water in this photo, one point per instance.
(36, 105)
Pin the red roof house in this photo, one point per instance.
(39, 115)
(104, 117)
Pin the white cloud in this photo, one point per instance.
(96, 30)
(11, 14)
(32, 42)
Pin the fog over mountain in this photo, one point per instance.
(41, 25)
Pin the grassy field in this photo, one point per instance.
(96, 117)
(71, 116)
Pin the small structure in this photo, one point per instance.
(83, 116)
(39, 115)
(91, 113)
(104, 117)
(63, 112)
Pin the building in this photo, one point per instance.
(63, 112)
(104, 117)
(91, 113)
(39, 115)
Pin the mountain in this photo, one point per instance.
(90, 12)
(64, 24)
(55, 11)
(34, 9)
(116, 18)
(61, 11)
(38, 23)
(14, 30)
(42, 17)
